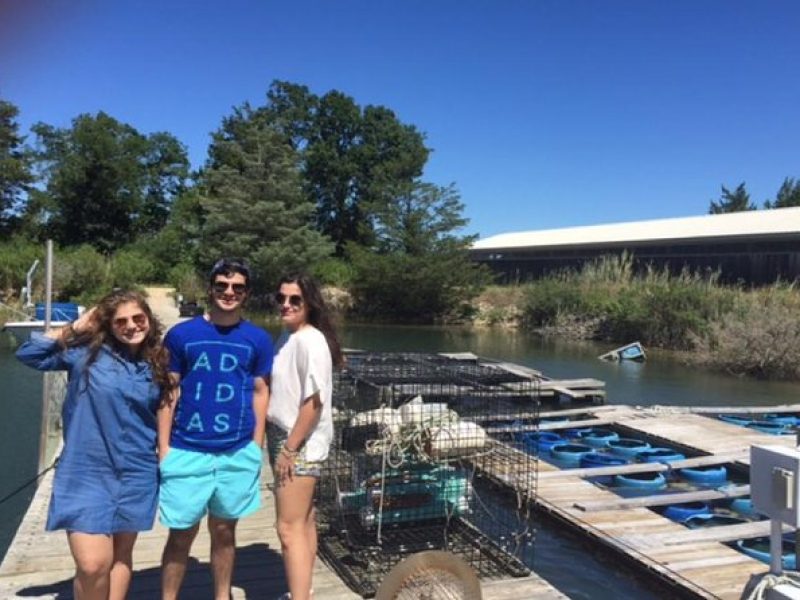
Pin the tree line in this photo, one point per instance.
(738, 199)
(302, 181)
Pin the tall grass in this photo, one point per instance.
(753, 332)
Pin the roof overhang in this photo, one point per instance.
(774, 224)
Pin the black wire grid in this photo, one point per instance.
(418, 439)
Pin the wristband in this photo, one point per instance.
(290, 453)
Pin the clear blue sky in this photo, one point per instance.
(544, 113)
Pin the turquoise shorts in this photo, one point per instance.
(225, 484)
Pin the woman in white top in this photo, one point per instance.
(299, 421)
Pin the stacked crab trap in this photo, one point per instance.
(429, 454)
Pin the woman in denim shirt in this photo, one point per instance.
(106, 484)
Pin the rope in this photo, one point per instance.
(27, 483)
(769, 581)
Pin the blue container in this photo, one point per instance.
(735, 419)
(60, 311)
(627, 447)
(598, 459)
(570, 454)
(659, 455)
(744, 506)
(598, 438)
(783, 419)
(758, 548)
(768, 427)
(715, 475)
(681, 512)
(575, 432)
(652, 481)
(712, 520)
(541, 440)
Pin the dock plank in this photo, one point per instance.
(736, 491)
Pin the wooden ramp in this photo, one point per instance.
(695, 563)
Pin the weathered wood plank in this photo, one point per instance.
(698, 461)
(664, 499)
(722, 533)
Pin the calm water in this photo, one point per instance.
(659, 381)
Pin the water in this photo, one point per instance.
(20, 403)
(555, 556)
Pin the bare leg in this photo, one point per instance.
(293, 500)
(122, 568)
(311, 536)
(223, 553)
(93, 555)
(174, 559)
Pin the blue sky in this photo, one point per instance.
(543, 113)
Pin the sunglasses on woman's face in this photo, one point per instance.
(294, 299)
(139, 320)
(220, 287)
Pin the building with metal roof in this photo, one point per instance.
(754, 247)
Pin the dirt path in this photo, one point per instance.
(162, 301)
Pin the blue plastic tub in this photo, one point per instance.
(627, 447)
(662, 455)
(540, 440)
(710, 475)
(712, 520)
(758, 548)
(744, 506)
(570, 454)
(599, 459)
(652, 481)
(783, 419)
(598, 438)
(768, 427)
(681, 512)
(736, 419)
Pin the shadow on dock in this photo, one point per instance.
(258, 574)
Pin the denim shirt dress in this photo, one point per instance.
(107, 477)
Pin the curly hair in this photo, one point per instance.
(150, 350)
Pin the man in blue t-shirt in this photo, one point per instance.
(210, 437)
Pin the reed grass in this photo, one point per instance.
(733, 328)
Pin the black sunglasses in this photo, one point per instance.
(220, 287)
(294, 299)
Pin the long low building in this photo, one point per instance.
(755, 247)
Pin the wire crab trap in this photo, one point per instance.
(424, 443)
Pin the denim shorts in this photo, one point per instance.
(276, 438)
(225, 484)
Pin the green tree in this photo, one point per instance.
(253, 205)
(788, 195)
(419, 269)
(15, 167)
(105, 183)
(352, 159)
(737, 200)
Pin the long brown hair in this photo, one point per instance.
(318, 314)
(151, 349)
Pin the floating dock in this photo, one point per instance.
(693, 563)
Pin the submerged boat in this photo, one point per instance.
(633, 351)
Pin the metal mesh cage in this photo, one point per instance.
(425, 445)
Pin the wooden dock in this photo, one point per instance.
(38, 564)
(693, 563)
